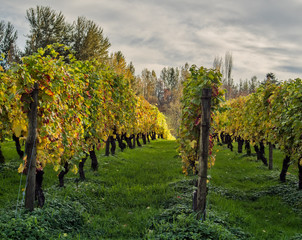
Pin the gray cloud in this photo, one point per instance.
(263, 36)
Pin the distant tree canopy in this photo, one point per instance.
(8, 46)
(84, 36)
(88, 40)
(46, 27)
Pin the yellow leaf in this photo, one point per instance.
(21, 168)
(61, 150)
(17, 128)
(74, 169)
(193, 144)
(56, 167)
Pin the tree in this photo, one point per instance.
(217, 63)
(270, 77)
(253, 84)
(228, 81)
(118, 62)
(88, 40)
(8, 47)
(46, 27)
(149, 84)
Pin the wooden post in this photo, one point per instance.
(270, 158)
(203, 152)
(31, 150)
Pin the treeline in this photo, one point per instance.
(272, 116)
(244, 87)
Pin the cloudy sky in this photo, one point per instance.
(262, 35)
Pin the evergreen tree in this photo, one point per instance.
(8, 47)
(46, 27)
(88, 40)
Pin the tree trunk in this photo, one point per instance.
(144, 138)
(62, 174)
(2, 159)
(153, 136)
(162, 136)
(240, 144)
(107, 148)
(257, 152)
(81, 167)
(229, 142)
(31, 150)
(39, 191)
(285, 166)
(270, 158)
(148, 139)
(94, 160)
(203, 152)
(248, 148)
(262, 154)
(300, 173)
(121, 145)
(134, 141)
(113, 145)
(137, 141)
(222, 137)
(18, 146)
(129, 142)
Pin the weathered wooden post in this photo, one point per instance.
(31, 150)
(203, 152)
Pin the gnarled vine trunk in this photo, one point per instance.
(300, 173)
(240, 144)
(134, 141)
(81, 167)
(129, 142)
(113, 145)
(260, 153)
(137, 141)
(228, 139)
(39, 191)
(144, 138)
(2, 159)
(121, 145)
(62, 174)
(107, 147)
(18, 146)
(248, 147)
(285, 166)
(270, 158)
(94, 160)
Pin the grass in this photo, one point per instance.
(142, 194)
(120, 200)
(253, 197)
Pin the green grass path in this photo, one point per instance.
(142, 194)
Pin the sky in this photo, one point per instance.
(262, 35)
